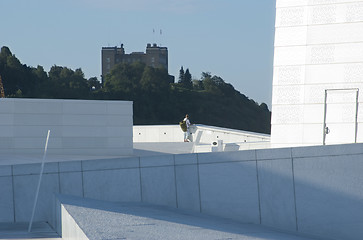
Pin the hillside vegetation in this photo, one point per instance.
(157, 99)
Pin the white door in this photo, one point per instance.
(340, 116)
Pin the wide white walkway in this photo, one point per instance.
(105, 220)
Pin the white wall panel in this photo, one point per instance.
(276, 193)
(354, 11)
(325, 74)
(85, 119)
(6, 199)
(289, 75)
(291, 36)
(107, 164)
(178, 134)
(113, 185)
(291, 16)
(223, 183)
(118, 120)
(7, 106)
(330, 34)
(324, 206)
(322, 14)
(36, 143)
(317, 12)
(315, 94)
(152, 135)
(158, 185)
(70, 183)
(287, 133)
(313, 113)
(139, 133)
(84, 142)
(283, 114)
(313, 134)
(76, 107)
(289, 94)
(119, 108)
(24, 193)
(7, 131)
(323, 2)
(117, 131)
(7, 119)
(360, 132)
(162, 160)
(290, 3)
(36, 106)
(353, 72)
(187, 186)
(6, 142)
(77, 126)
(37, 119)
(166, 135)
(119, 142)
(335, 53)
(37, 131)
(85, 131)
(321, 54)
(287, 56)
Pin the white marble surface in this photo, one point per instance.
(105, 220)
(318, 46)
(303, 189)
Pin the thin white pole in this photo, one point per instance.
(40, 179)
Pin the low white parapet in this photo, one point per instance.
(310, 190)
(85, 127)
(203, 136)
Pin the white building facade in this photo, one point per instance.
(318, 73)
(79, 127)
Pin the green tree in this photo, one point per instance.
(67, 83)
(188, 80)
(156, 98)
(124, 80)
(185, 79)
(181, 75)
(94, 84)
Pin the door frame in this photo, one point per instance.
(325, 129)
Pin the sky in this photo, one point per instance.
(232, 39)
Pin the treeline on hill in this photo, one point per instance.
(157, 99)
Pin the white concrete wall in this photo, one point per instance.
(70, 229)
(77, 126)
(318, 46)
(311, 190)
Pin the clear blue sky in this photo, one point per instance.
(232, 39)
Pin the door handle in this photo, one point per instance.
(327, 130)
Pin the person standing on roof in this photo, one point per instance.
(187, 133)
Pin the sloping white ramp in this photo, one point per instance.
(92, 219)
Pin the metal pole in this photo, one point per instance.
(40, 179)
